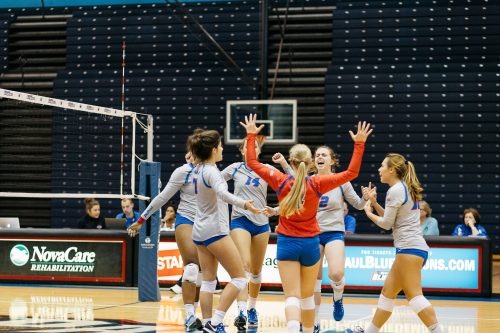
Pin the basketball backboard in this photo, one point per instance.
(279, 116)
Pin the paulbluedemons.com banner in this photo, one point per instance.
(450, 268)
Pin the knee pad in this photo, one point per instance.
(199, 279)
(317, 286)
(292, 301)
(293, 325)
(385, 303)
(307, 303)
(208, 286)
(418, 303)
(190, 273)
(240, 283)
(256, 279)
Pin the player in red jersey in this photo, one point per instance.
(298, 242)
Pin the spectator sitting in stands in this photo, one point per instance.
(168, 221)
(92, 218)
(470, 227)
(128, 213)
(349, 221)
(428, 224)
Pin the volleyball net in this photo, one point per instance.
(54, 148)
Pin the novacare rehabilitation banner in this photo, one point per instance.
(366, 267)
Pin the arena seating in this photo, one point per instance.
(171, 72)
(426, 74)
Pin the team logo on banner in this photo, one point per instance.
(19, 255)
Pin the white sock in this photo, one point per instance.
(435, 328)
(338, 289)
(206, 320)
(372, 329)
(189, 309)
(242, 306)
(218, 317)
(293, 326)
(316, 315)
(252, 302)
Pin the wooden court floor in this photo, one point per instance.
(75, 309)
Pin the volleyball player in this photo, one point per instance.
(298, 250)
(330, 218)
(181, 181)
(250, 232)
(402, 215)
(211, 229)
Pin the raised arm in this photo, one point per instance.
(278, 158)
(327, 183)
(271, 176)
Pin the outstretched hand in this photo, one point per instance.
(369, 193)
(363, 132)
(134, 229)
(250, 124)
(250, 207)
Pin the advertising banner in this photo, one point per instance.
(62, 259)
(366, 267)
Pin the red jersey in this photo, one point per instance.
(303, 224)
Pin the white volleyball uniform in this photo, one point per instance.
(212, 198)
(331, 207)
(402, 215)
(248, 186)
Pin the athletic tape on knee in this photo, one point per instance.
(199, 279)
(317, 286)
(307, 303)
(418, 303)
(240, 283)
(292, 301)
(338, 284)
(208, 286)
(385, 303)
(256, 279)
(190, 273)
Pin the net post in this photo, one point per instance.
(149, 235)
(150, 137)
(132, 162)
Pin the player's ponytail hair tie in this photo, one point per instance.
(406, 162)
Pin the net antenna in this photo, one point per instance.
(62, 114)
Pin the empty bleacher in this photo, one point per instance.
(172, 71)
(426, 74)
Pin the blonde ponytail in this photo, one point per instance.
(293, 202)
(406, 171)
(413, 183)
